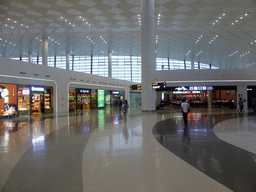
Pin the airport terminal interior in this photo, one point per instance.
(68, 66)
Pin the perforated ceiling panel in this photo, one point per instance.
(212, 31)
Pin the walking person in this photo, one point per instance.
(185, 110)
(125, 108)
(120, 103)
(241, 106)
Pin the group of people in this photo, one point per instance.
(123, 106)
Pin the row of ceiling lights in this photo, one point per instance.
(253, 42)
(16, 22)
(158, 20)
(223, 15)
(90, 39)
(245, 53)
(67, 21)
(86, 22)
(233, 53)
(188, 52)
(5, 41)
(199, 39)
(213, 39)
(199, 53)
(240, 19)
(139, 19)
(251, 64)
(103, 40)
(156, 38)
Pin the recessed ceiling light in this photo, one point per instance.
(213, 23)
(236, 20)
(21, 24)
(61, 17)
(217, 21)
(9, 19)
(246, 14)
(241, 17)
(15, 21)
(224, 14)
(232, 24)
(80, 17)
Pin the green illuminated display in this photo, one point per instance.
(101, 98)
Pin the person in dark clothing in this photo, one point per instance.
(42, 107)
(120, 103)
(254, 104)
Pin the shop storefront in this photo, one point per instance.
(79, 99)
(8, 100)
(221, 96)
(115, 97)
(41, 99)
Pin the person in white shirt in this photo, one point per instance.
(185, 110)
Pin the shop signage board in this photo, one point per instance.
(37, 89)
(101, 98)
(115, 92)
(83, 91)
(159, 85)
(201, 88)
(135, 87)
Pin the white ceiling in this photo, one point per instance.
(69, 24)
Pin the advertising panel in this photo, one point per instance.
(101, 98)
(8, 99)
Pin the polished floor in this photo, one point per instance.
(98, 150)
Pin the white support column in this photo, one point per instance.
(110, 64)
(158, 97)
(148, 64)
(67, 61)
(242, 92)
(44, 51)
(30, 58)
(209, 100)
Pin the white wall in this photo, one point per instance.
(59, 79)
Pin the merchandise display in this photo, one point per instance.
(36, 99)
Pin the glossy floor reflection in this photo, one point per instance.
(97, 151)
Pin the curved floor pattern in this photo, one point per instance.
(98, 151)
(237, 131)
(225, 163)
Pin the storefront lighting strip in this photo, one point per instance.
(36, 79)
(96, 85)
(208, 81)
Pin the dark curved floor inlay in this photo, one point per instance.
(233, 167)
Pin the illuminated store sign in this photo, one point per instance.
(83, 91)
(101, 98)
(159, 85)
(201, 88)
(38, 89)
(182, 88)
(115, 92)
